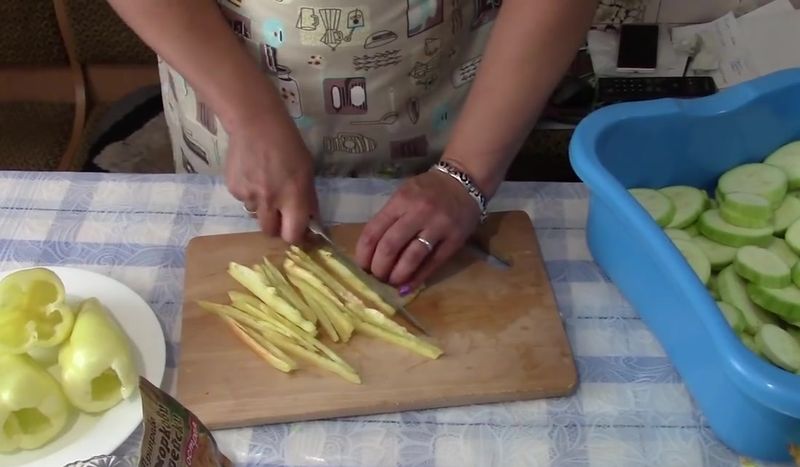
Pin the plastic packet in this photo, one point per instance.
(174, 436)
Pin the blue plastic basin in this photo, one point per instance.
(752, 406)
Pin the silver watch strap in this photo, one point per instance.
(466, 181)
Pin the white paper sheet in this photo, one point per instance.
(721, 38)
(752, 45)
(771, 8)
(773, 41)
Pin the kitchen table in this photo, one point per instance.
(630, 409)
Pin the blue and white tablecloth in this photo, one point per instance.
(630, 409)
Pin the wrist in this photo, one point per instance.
(450, 169)
(483, 174)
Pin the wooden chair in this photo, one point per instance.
(74, 60)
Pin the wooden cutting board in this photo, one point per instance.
(500, 330)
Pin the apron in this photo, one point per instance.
(372, 85)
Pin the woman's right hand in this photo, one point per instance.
(269, 169)
(268, 166)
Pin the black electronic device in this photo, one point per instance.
(638, 48)
(612, 90)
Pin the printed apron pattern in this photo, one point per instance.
(373, 86)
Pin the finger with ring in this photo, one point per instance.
(418, 250)
(426, 243)
(247, 210)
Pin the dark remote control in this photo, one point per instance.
(611, 90)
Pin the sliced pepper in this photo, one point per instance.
(33, 409)
(96, 363)
(33, 313)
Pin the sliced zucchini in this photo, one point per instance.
(689, 203)
(787, 157)
(692, 230)
(737, 219)
(796, 274)
(792, 236)
(658, 205)
(733, 316)
(748, 205)
(712, 287)
(786, 215)
(674, 234)
(757, 178)
(784, 252)
(713, 226)
(784, 302)
(733, 289)
(779, 347)
(750, 343)
(719, 255)
(696, 258)
(762, 267)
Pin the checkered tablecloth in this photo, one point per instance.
(630, 409)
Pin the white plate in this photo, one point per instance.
(89, 435)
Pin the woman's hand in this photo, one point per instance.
(267, 166)
(431, 206)
(270, 170)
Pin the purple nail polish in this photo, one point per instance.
(404, 290)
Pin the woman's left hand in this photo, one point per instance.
(431, 207)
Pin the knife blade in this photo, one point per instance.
(474, 247)
(373, 283)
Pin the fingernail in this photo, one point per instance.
(404, 290)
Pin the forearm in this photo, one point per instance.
(530, 48)
(193, 37)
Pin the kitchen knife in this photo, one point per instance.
(373, 283)
(474, 247)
